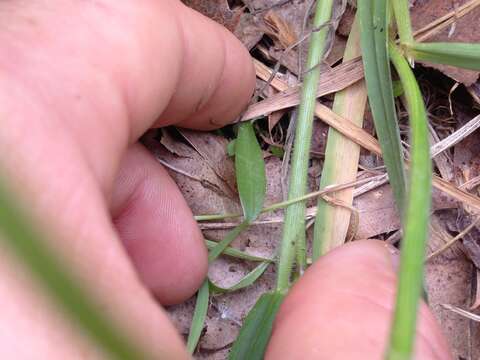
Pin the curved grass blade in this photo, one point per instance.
(461, 55)
(410, 283)
(250, 171)
(238, 254)
(199, 315)
(19, 232)
(374, 30)
(257, 327)
(247, 280)
(220, 247)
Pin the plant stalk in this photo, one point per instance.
(341, 159)
(294, 227)
(416, 217)
(402, 18)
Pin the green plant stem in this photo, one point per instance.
(402, 18)
(294, 227)
(341, 159)
(18, 231)
(416, 217)
(284, 204)
(373, 31)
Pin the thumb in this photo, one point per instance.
(342, 309)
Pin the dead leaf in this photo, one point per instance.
(377, 213)
(448, 280)
(280, 29)
(217, 10)
(466, 29)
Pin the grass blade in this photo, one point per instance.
(294, 228)
(220, 247)
(373, 30)
(461, 55)
(19, 232)
(417, 214)
(341, 160)
(247, 280)
(199, 315)
(255, 333)
(238, 254)
(250, 171)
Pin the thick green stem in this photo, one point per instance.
(402, 18)
(416, 217)
(294, 228)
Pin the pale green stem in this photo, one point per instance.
(294, 227)
(341, 160)
(402, 18)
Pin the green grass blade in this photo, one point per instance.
(199, 315)
(461, 55)
(250, 171)
(247, 280)
(220, 247)
(255, 333)
(402, 18)
(373, 30)
(341, 160)
(417, 214)
(237, 254)
(20, 234)
(293, 237)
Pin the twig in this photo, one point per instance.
(454, 240)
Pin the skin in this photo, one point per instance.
(81, 82)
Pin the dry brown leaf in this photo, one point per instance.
(217, 10)
(280, 29)
(332, 80)
(377, 213)
(448, 279)
(466, 29)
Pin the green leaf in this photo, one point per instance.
(231, 148)
(20, 233)
(461, 55)
(374, 30)
(238, 254)
(257, 327)
(293, 237)
(250, 171)
(410, 282)
(247, 280)
(220, 247)
(199, 315)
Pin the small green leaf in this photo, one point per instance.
(238, 254)
(222, 245)
(276, 151)
(199, 315)
(374, 30)
(257, 327)
(250, 171)
(231, 148)
(461, 55)
(247, 280)
(397, 88)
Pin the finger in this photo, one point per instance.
(157, 228)
(122, 65)
(342, 308)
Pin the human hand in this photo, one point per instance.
(83, 80)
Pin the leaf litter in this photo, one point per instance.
(199, 163)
